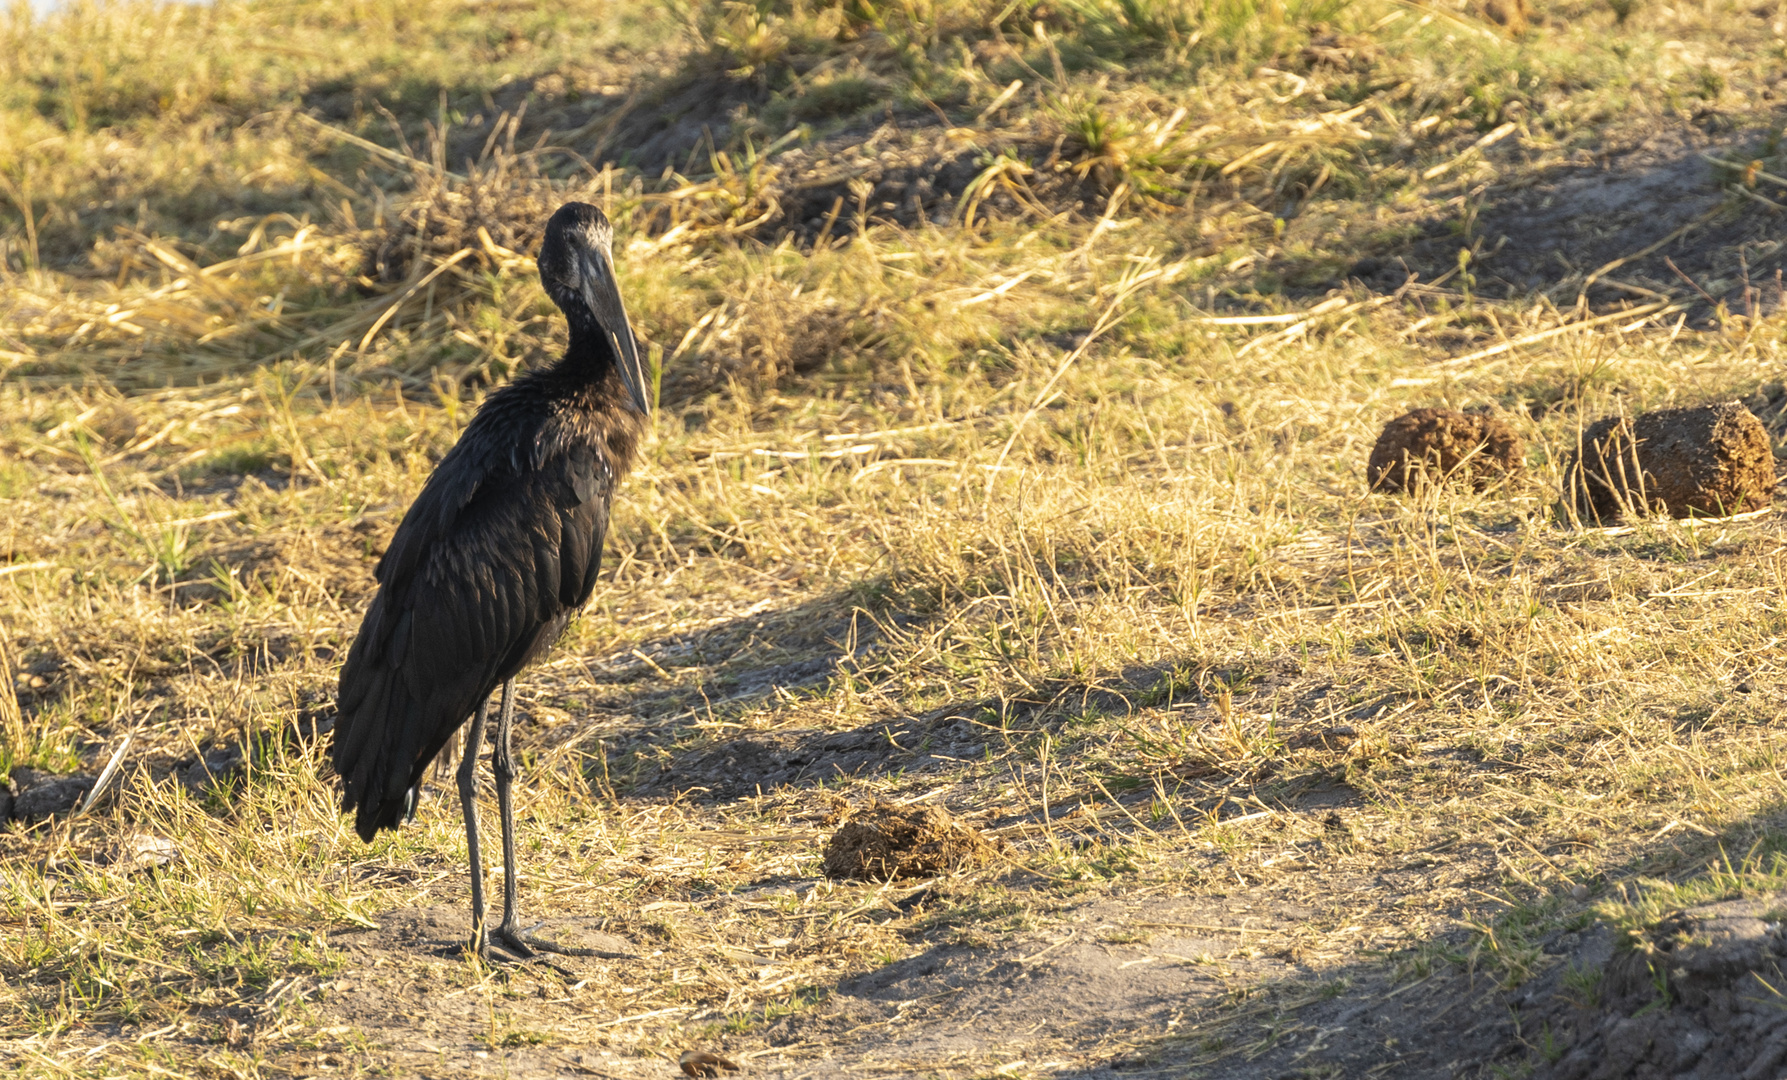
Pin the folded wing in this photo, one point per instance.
(486, 570)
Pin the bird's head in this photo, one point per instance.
(577, 268)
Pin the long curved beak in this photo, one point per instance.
(602, 293)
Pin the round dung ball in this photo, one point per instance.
(1437, 445)
(884, 841)
(1711, 460)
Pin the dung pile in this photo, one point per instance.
(1703, 460)
(884, 841)
(1436, 445)
(1693, 997)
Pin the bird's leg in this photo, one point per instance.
(468, 801)
(502, 762)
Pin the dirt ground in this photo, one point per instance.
(1115, 987)
(1120, 986)
(1125, 985)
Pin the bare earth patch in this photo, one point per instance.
(1695, 995)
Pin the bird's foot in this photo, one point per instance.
(514, 942)
(517, 947)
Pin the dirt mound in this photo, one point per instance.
(1430, 444)
(36, 795)
(703, 1064)
(1693, 997)
(1706, 459)
(884, 841)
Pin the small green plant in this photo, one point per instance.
(1551, 1048)
(1583, 984)
(1708, 83)
(1127, 936)
(15, 479)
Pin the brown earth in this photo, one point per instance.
(702, 1063)
(1108, 988)
(1430, 444)
(1118, 987)
(1708, 459)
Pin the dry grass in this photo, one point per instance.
(1062, 477)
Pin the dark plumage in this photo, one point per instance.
(494, 558)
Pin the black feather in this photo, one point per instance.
(488, 567)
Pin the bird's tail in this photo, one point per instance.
(378, 747)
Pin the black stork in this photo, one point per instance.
(492, 561)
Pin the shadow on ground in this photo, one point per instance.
(963, 733)
(1203, 987)
(1655, 221)
(1148, 983)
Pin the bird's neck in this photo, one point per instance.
(589, 356)
(591, 396)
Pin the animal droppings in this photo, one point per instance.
(1430, 445)
(884, 841)
(1711, 460)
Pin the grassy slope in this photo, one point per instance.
(1000, 470)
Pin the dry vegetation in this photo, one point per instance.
(1019, 366)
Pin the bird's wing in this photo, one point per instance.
(483, 574)
(469, 467)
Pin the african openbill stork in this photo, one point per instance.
(492, 561)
